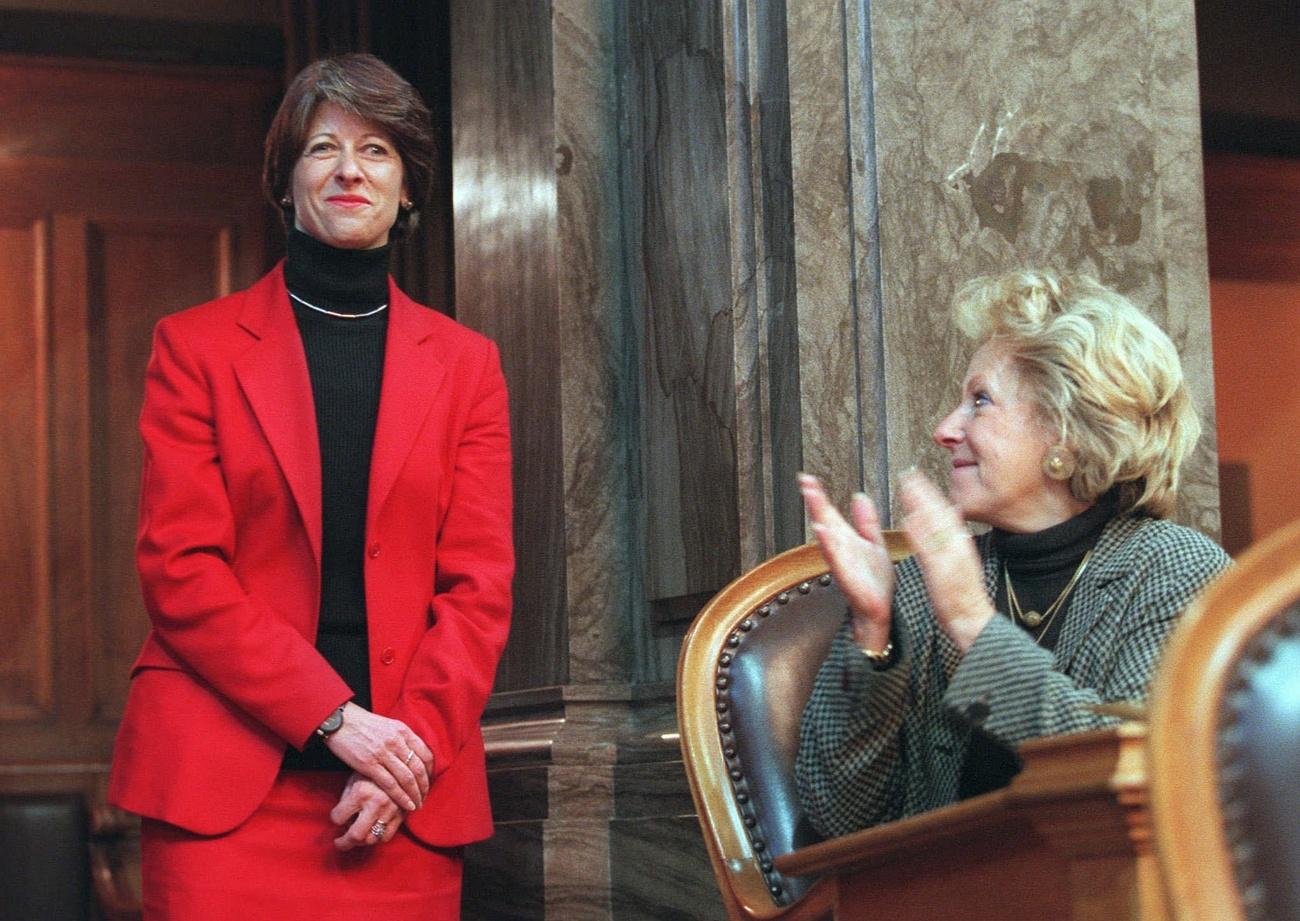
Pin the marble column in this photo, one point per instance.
(716, 240)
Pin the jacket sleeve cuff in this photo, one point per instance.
(997, 677)
(872, 693)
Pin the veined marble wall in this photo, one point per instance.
(935, 141)
(716, 240)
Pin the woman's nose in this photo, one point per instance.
(949, 432)
(349, 170)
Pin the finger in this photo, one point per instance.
(420, 775)
(346, 842)
(411, 794)
(380, 772)
(417, 768)
(866, 520)
(919, 495)
(368, 827)
(348, 806)
(815, 499)
(393, 825)
(422, 751)
(931, 522)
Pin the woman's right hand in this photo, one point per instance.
(384, 751)
(858, 559)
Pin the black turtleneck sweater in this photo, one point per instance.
(345, 360)
(1040, 566)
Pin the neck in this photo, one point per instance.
(346, 281)
(1045, 512)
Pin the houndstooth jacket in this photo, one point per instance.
(880, 745)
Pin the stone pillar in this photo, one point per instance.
(716, 241)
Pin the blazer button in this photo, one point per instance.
(374, 550)
(388, 656)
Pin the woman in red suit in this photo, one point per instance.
(325, 551)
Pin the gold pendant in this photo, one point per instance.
(1031, 618)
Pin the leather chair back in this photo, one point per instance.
(1224, 750)
(745, 672)
(44, 858)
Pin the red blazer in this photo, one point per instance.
(229, 549)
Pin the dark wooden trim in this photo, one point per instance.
(1226, 132)
(154, 41)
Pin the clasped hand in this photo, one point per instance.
(859, 560)
(392, 768)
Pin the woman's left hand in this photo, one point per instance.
(364, 809)
(950, 565)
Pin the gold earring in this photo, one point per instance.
(1058, 463)
(286, 202)
(407, 205)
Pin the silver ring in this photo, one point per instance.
(409, 756)
(377, 830)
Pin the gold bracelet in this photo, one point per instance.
(879, 660)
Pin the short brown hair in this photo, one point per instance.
(367, 87)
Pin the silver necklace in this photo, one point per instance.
(332, 313)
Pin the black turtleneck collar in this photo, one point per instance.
(1060, 545)
(343, 280)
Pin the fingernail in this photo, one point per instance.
(410, 804)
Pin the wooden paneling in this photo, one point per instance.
(25, 615)
(187, 265)
(139, 197)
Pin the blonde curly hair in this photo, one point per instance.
(1104, 377)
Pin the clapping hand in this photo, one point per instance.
(950, 564)
(858, 559)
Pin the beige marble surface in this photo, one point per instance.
(829, 323)
(1014, 133)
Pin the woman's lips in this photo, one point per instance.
(349, 200)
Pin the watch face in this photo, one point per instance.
(332, 722)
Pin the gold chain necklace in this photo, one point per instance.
(1033, 619)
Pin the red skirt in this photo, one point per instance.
(282, 864)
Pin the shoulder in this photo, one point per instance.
(454, 338)
(1137, 543)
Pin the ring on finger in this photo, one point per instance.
(409, 756)
(377, 830)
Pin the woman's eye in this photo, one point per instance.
(980, 398)
(320, 147)
(377, 150)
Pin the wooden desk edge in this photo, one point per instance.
(1103, 762)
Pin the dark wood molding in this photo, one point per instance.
(152, 41)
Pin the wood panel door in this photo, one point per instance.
(129, 193)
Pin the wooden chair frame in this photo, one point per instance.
(737, 868)
(1194, 853)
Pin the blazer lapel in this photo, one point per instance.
(413, 372)
(273, 376)
(1093, 595)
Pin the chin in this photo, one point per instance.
(971, 511)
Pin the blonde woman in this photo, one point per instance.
(1073, 423)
